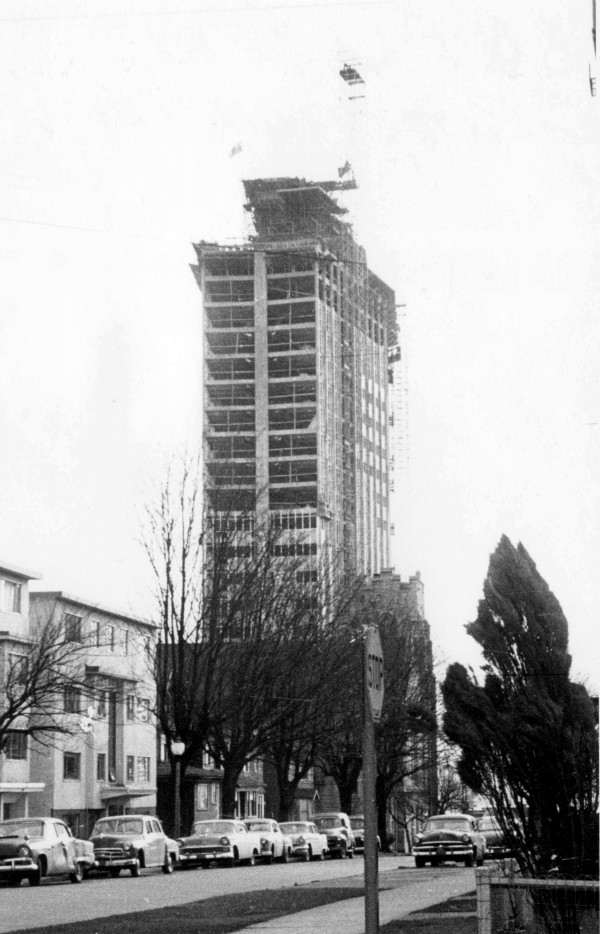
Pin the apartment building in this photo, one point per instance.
(297, 330)
(17, 790)
(106, 762)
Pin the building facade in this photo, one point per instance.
(17, 789)
(296, 401)
(106, 763)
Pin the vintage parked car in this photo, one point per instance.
(280, 844)
(496, 844)
(307, 842)
(338, 830)
(449, 837)
(223, 841)
(134, 842)
(357, 822)
(34, 847)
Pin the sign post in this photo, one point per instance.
(372, 704)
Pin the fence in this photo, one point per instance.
(512, 904)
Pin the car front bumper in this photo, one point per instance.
(443, 852)
(19, 866)
(197, 857)
(115, 862)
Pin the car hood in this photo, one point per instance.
(10, 845)
(113, 839)
(434, 835)
(209, 839)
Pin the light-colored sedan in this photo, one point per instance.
(280, 843)
(222, 841)
(34, 847)
(132, 842)
(307, 842)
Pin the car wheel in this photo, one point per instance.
(419, 862)
(351, 853)
(479, 861)
(167, 866)
(252, 860)
(322, 856)
(15, 882)
(229, 863)
(268, 860)
(306, 856)
(342, 852)
(285, 856)
(36, 876)
(468, 861)
(77, 875)
(135, 869)
(114, 872)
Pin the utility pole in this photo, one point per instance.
(372, 704)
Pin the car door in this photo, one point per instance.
(276, 838)
(243, 840)
(160, 842)
(151, 844)
(60, 856)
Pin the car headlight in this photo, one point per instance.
(418, 838)
(225, 841)
(300, 841)
(23, 851)
(466, 838)
(130, 848)
(264, 843)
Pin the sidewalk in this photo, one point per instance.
(398, 897)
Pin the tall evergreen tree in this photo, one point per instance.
(528, 734)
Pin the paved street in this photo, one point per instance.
(62, 902)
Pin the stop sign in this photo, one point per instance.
(374, 672)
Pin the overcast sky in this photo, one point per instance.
(477, 152)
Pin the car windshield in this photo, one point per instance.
(489, 823)
(10, 828)
(294, 828)
(448, 823)
(327, 823)
(204, 828)
(358, 823)
(118, 825)
(258, 825)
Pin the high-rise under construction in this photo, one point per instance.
(296, 384)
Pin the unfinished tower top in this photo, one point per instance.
(284, 207)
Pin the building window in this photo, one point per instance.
(72, 765)
(214, 793)
(110, 638)
(130, 707)
(101, 704)
(143, 709)
(10, 594)
(101, 767)
(143, 769)
(97, 630)
(16, 745)
(18, 668)
(72, 700)
(126, 642)
(202, 796)
(130, 768)
(207, 761)
(73, 628)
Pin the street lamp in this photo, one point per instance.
(177, 750)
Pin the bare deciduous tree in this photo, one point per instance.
(38, 669)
